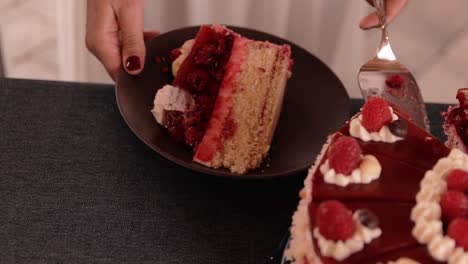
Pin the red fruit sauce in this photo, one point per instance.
(175, 53)
(458, 117)
(201, 75)
(395, 81)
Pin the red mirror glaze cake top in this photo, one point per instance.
(412, 210)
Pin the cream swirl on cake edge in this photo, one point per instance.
(357, 130)
(170, 98)
(301, 245)
(426, 214)
(340, 250)
(369, 169)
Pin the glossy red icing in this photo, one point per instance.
(391, 197)
(395, 223)
(418, 148)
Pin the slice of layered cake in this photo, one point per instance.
(382, 190)
(456, 122)
(226, 98)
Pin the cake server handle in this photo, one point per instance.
(385, 51)
(381, 6)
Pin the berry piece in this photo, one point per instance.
(399, 128)
(458, 180)
(175, 53)
(205, 55)
(458, 230)
(462, 96)
(395, 81)
(335, 221)
(344, 155)
(376, 114)
(368, 218)
(454, 204)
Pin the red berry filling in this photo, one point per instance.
(201, 75)
(458, 180)
(376, 114)
(344, 155)
(395, 81)
(458, 117)
(335, 221)
(454, 204)
(173, 121)
(175, 53)
(458, 230)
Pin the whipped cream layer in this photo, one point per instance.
(404, 261)
(369, 169)
(301, 246)
(170, 98)
(340, 250)
(426, 214)
(184, 52)
(356, 129)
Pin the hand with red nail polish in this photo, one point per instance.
(114, 34)
(394, 7)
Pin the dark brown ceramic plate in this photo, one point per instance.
(315, 104)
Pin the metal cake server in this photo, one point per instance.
(385, 77)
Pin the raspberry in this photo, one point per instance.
(344, 155)
(395, 81)
(335, 221)
(376, 114)
(458, 230)
(458, 180)
(175, 53)
(454, 204)
(205, 55)
(197, 81)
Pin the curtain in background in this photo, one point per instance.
(328, 29)
(45, 39)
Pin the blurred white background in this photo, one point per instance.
(44, 39)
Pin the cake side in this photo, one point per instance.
(209, 150)
(247, 108)
(273, 105)
(257, 104)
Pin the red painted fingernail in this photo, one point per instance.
(133, 63)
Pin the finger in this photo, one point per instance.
(109, 54)
(149, 34)
(370, 21)
(393, 9)
(101, 36)
(130, 18)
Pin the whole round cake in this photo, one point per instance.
(382, 190)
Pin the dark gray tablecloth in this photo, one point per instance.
(77, 186)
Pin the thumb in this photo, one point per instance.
(130, 19)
